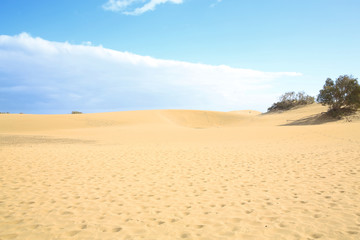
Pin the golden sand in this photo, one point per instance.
(179, 174)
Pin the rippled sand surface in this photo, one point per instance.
(180, 174)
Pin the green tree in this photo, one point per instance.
(344, 93)
(291, 99)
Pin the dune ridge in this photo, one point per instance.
(186, 118)
(179, 174)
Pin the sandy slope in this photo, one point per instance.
(177, 174)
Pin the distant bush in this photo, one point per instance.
(342, 97)
(76, 112)
(290, 100)
(4, 113)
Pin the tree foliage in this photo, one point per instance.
(290, 100)
(343, 94)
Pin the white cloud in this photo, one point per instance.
(118, 5)
(124, 5)
(215, 3)
(40, 75)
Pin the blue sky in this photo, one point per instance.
(200, 52)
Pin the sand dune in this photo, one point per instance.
(180, 174)
(187, 118)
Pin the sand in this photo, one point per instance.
(180, 174)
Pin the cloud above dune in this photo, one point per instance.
(215, 3)
(135, 7)
(42, 76)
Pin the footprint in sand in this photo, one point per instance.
(282, 225)
(316, 235)
(236, 220)
(249, 211)
(67, 213)
(72, 233)
(117, 229)
(35, 226)
(185, 235)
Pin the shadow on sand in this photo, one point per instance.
(23, 140)
(315, 119)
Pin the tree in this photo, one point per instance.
(343, 94)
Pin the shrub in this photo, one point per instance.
(290, 100)
(76, 112)
(342, 96)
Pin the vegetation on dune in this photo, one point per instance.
(290, 100)
(76, 112)
(342, 96)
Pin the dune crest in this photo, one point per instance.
(184, 118)
(206, 119)
(166, 118)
